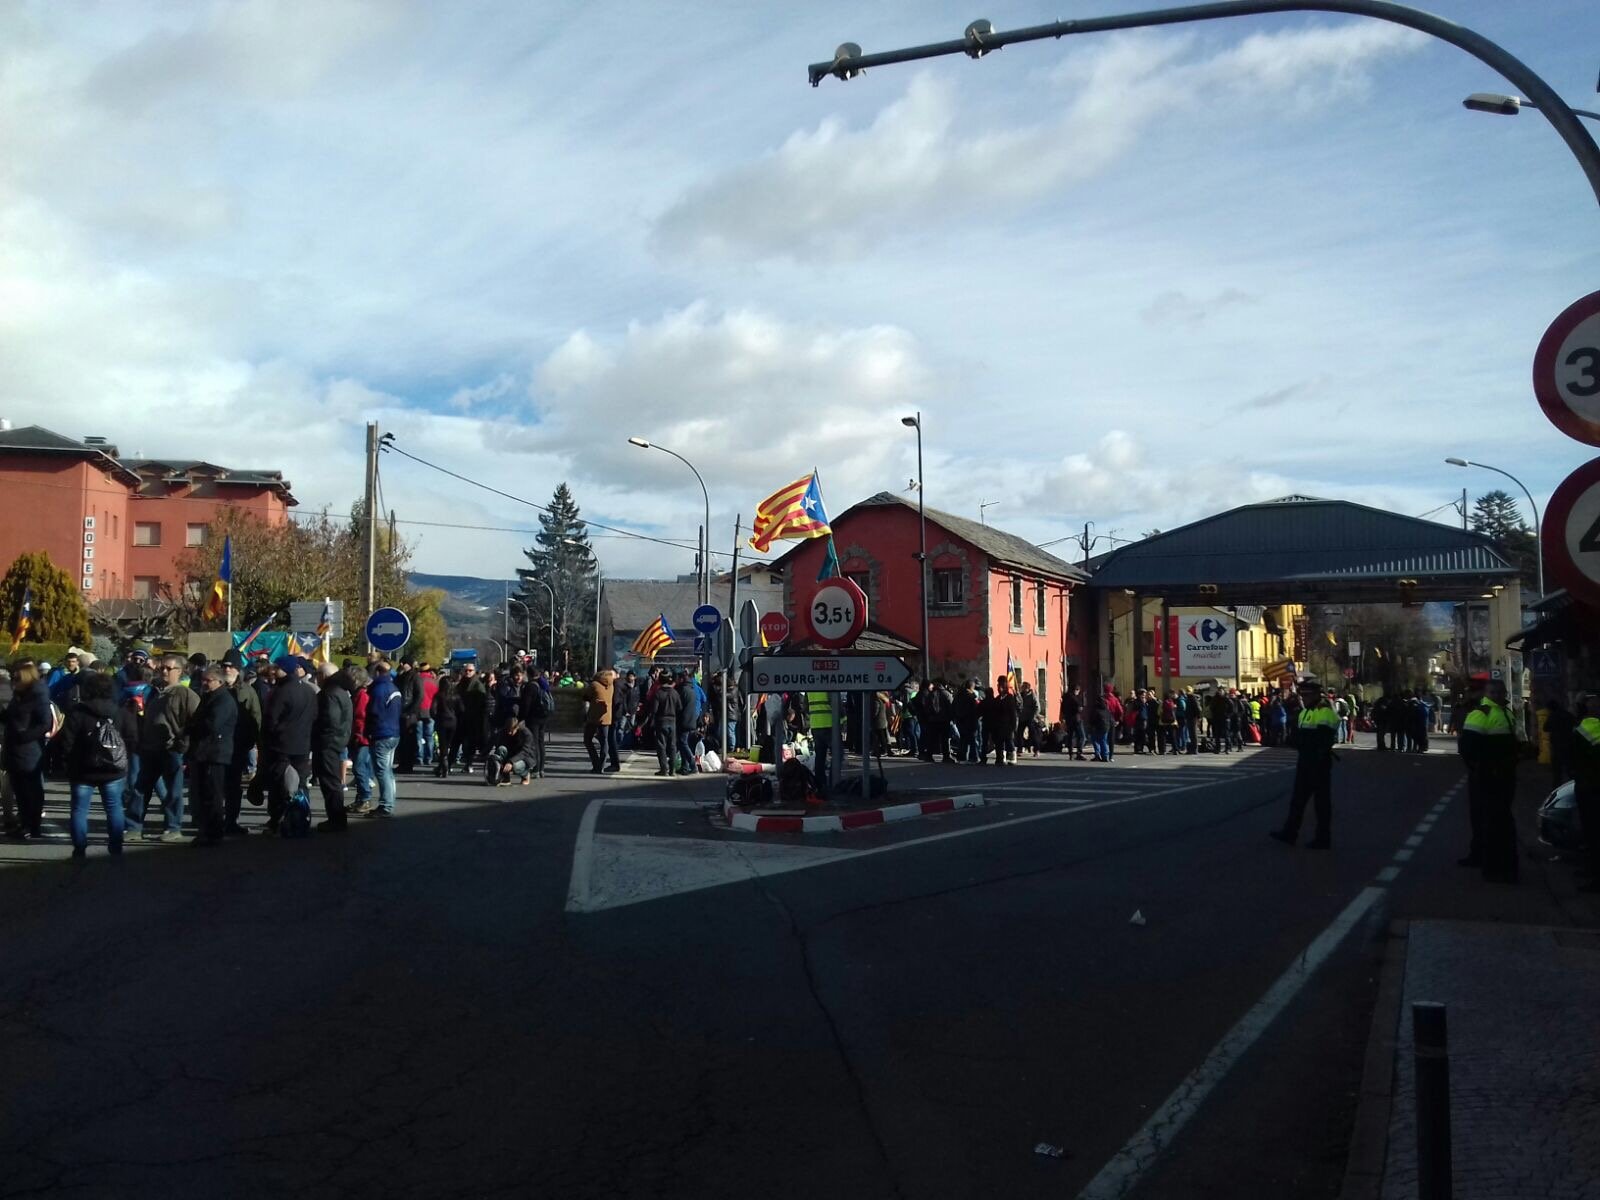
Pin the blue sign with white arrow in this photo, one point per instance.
(388, 629)
(707, 619)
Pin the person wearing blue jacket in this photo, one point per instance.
(694, 701)
(384, 705)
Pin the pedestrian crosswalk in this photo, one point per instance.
(1144, 777)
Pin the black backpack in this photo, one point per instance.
(538, 704)
(106, 752)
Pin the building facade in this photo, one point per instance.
(118, 525)
(996, 602)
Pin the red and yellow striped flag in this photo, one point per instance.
(654, 638)
(794, 512)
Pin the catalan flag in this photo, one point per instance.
(255, 633)
(655, 637)
(24, 619)
(791, 513)
(218, 603)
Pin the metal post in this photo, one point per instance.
(1136, 619)
(733, 619)
(866, 746)
(1432, 1063)
(599, 590)
(922, 555)
(371, 502)
(505, 612)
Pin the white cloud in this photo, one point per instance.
(833, 190)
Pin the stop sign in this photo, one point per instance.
(774, 628)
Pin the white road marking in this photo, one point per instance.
(1388, 874)
(1403, 855)
(582, 858)
(1414, 840)
(1119, 1176)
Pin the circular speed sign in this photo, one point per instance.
(1566, 371)
(1572, 533)
(838, 613)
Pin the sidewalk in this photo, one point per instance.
(1524, 1040)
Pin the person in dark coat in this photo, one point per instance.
(666, 707)
(474, 716)
(1100, 725)
(28, 722)
(965, 715)
(211, 737)
(514, 754)
(287, 718)
(533, 708)
(330, 738)
(1000, 721)
(86, 759)
(624, 705)
(411, 714)
(246, 741)
(447, 718)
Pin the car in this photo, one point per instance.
(1559, 822)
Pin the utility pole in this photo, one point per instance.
(1463, 510)
(370, 500)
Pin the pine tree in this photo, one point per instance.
(1496, 515)
(58, 613)
(563, 559)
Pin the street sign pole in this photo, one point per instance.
(866, 745)
(733, 642)
(835, 742)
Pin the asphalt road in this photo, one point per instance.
(423, 1007)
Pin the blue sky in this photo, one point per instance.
(1130, 279)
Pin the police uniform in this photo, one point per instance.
(819, 716)
(1584, 756)
(1314, 736)
(1488, 746)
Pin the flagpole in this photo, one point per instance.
(227, 548)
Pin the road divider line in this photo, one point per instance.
(1401, 856)
(1122, 1174)
(1388, 874)
(583, 858)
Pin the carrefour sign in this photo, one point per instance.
(1205, 643)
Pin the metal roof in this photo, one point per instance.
(631, 604)
(1305, 540)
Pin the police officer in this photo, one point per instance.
(1488, 746)
(1314, 735)
(819, 715)
(1583, 757)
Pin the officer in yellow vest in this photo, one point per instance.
(1488, 746)
(1313, 737)
(1584, 757)
(819, 716)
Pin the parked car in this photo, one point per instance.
(1559, 824)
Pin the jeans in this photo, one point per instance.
(111, 798)
(160, 773)
(666, 735)
(686, 741)
(383, 768)
(209, 782)
(425, 742)
(1102, 747)
(363, 772)
(613, 737)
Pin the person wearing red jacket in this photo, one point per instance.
(1114, 706)
(360, 747)
(425, 727)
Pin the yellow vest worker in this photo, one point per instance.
(819, 715)
(1314, 736)
(1585, 759)
(1488, 747)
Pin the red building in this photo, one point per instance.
(118, 524)
(993, 598)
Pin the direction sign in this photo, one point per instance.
(1566, 371)
(838, 613)
(749, 631)
(1572, 533)
(707, 619)
(839, 673)
(388, 629)
(775, 628)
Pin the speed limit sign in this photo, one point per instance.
(838, 613)
(1572, 537)
(1566, 371)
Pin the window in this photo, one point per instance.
(144, 586)
(147, 533)
(193, 589)
(949, 587)
(194, 535)
(1038, 607)
(1016, 604)
(113, 527)
(1042, 689)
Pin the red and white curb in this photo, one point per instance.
(838, 822)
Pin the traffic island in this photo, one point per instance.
(821, 820)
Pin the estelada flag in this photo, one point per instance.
(24, 619)
(793, 513)
(654, 638)
(218, 603)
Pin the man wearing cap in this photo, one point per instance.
(246, 740)
(1488, 746)
(1314, 736)
(133, 682)
(286, 721)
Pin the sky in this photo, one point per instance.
(1127, 279)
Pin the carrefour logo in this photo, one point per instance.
(1207, 630)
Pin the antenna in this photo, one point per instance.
(983, 507)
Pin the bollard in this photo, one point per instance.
(1432, 1057)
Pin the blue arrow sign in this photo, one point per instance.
(707, 619)
(388, 629)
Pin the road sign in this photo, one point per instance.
(1355, 649)
(775, 628)
(702, 642)
(1566, 371)
(306, 615)
(1544, 662)
(1572, 533)
(838, 613)
(722, 648)
(388, 629)
(839, 673)
(749, 631)
(707, 619)
(1349, 672)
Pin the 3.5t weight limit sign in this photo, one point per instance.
(1572, 538)
(838, 613)
(1566, 371)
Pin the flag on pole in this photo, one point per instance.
(654, 638)
(255, 633)
(24, 619)
(830, 563)
(791, 513)
(325, 622)
(1332, 641)
(218, 604)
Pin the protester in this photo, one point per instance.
(246, 741)
(597, 700)
(212, 730)
(513, 755)
(409, 684)
(287, 719)
(97, 742)
(28, 723)
(330, 737)
(474, 732)
(360, 745)
(1028, 720)
(164, 739)
(534, 706)
(1000, 719)
(384, 723)
(425, 726)
(666, 707)
(446, 717)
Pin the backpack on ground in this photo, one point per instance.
(748, 790)
(107, 753)
(296, 819)
(795, 782)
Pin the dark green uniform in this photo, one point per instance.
(1488, 746)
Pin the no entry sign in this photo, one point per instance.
(1572, 538)
(1566, 371)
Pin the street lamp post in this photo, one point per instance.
(1538, 544)
(922, 542)
(1510, 106)
(527, 622)
(705, 536)
(533, 579)
(599, 585)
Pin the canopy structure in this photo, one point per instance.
(1308, 551)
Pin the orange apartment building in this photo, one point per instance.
(117, 524)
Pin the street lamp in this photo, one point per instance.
(534, 579)
(1538, 546)
(705, 536)
(1510, 106)
(922, 553)
(598, 584)
(527, 621)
